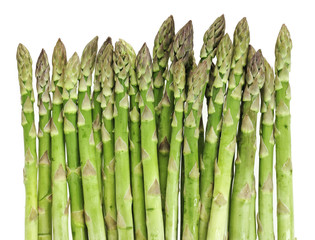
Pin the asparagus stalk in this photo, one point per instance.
(172, 186)
(135, 156)
(283, 136)
(152, 193)
(58, 165)
(218, 224)
(244, 164)
(265, 197)
(252, 209)
(161, 50)
(24, 65)
(201, 140)
(213, 130)
(44, 153)
(92, 200)
(97, 112)
(121, 67)
(181, 49)
(107, 84)
(70, 97)
(191, 195)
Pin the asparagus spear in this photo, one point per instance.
(252, 208)
(154, 217)
(58, 165)
(283, 136)
(107, 84)
(218, 224)
(135, 156)
(191, 196)
(97, 112)
(246, 143)
(213, 130)
(201, 140)
(121, 67)
(181, 49)
(265, 197)
(172, 186)
(70, 97)
(92, 200)
(44, 175)
(161, 50)
(24, 65)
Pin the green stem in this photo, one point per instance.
(24, 64)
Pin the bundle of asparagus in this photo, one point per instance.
(131, 146)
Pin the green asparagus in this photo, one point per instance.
(97, 113)
(283, 136)
(121, 67)
(218, 224)
(161, 50)
(181, 49)
(24, 65)
(70, 98)
(265, 202)
(44, 153)
(246, 143)
(172, 186)
(152, 193)
(92, 197)
(107, 84)
(135, 156)
(60, 204)
(213, 130)
(191, 195)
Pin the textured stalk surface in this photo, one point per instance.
(191, 194)
(121, 66)
(181, 49)
(283, 136)
(92, 197)
(60, 204)
(149, 156)
(240, 213)
(97, 113)
(265, 198)
(44, 152)
(218, 224)
(25, 76)
(220, 74)
(172, 186)
(135, 156)
(107, 82)
(70, 98)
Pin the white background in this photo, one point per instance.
(39, 24)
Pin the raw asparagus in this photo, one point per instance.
(44, 153)
(172, 186)
(97, 113)
(107, 84)
(191, 195)
(161, 50)
(181, 49)
(135, 156)
(70, 98)
(283, 136)
(213, 130)
(218, 224)
(24, 65)
(60, 204)
(246, 143)
(153, 205)
(92, 201)
(265, 197)
(121, 66)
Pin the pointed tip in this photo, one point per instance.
(109, 40)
